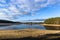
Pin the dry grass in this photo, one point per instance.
(4, 34)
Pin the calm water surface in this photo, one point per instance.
(24, 26)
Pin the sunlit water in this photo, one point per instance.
(27, 26)
(23, 26)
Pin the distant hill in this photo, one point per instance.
(37, 20)
(6, 21)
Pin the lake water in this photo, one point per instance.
(24, 26)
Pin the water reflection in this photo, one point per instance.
(25, 26)
(22, 26)
(52, 27)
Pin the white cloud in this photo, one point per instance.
(23, 7)
(3, 1)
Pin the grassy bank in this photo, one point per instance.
(10, 34)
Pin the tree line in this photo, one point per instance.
(55, 20)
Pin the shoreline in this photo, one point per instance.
(6, 34)
(50, 24)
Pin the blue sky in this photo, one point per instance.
(18, 10)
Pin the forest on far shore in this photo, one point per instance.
(55, 20)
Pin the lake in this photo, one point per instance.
(31, 26)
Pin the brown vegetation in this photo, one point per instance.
(25, 33)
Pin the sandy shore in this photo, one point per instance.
(50, 24)
(5, 34)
